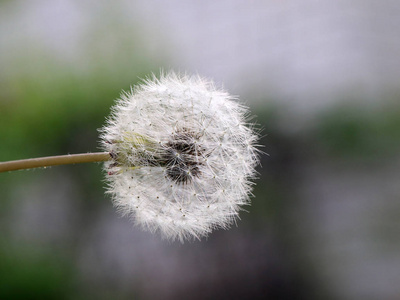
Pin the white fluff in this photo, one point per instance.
(183, 156)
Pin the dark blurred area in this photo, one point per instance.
(323, 80)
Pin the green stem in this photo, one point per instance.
(53, 161)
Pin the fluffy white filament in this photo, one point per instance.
(183, 156)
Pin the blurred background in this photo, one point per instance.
(322, 78)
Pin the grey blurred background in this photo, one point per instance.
(322, 78)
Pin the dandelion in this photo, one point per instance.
(179, 155)
(182, 156)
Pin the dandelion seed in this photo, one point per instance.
(189, 171)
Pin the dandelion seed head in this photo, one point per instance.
(183, 156)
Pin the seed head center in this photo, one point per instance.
(183, 156)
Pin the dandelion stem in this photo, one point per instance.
(53, 161)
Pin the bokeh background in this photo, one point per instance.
(323, 79)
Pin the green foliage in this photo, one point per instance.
(47, 115)
(30, 274)
(351, 131)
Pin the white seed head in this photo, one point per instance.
(182, 156)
